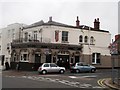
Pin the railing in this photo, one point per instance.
(26, 40)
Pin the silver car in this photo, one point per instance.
(50, 68)
(82, 67)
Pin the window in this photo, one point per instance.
(91, 40)
(8, 45)
(80, 38)
(8, 33)
(24, 56)
(86, 39)
(53, 65)
(13, 34)
(96, 58)
(26, 36)
(64, 36)
(46, 65)
(0, 35)
(35, 35)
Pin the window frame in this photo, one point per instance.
(96, 58)
(64, 36)
(86, 39)
(80, 38)
(91, 40)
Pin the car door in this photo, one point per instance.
(86, 68)
(54, 67)
(80, 67)
(47, 67)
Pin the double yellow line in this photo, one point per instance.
(101, 83)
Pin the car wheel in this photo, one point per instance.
(92, 70)
(62, 71)
(77, 70)
(44, 72)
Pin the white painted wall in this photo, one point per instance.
(102, 39)
(7, 38)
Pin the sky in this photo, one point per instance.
(63, 11)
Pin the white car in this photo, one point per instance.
(50, 68)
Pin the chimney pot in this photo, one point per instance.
(96, 24)
(97, 19)
(50, 19)
(77, 22)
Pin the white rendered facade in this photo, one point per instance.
(8, 34)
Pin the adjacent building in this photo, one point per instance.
(62, 44)
(115, 51)
(7, 35)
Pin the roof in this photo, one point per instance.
(117, 39)
(54, 23)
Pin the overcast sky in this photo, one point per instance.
(64, 11)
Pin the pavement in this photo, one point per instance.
(108, 82)
(104, 82)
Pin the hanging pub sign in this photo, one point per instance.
(56, 35)
(114, 49)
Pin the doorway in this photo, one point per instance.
(48, 58)
(77, 59)
(37, 61)
(63, 61)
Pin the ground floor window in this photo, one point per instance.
(24, 57)
(96, 58)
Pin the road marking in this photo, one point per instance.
(72, 77)
(100, 82)
(86, 85)
(93, 76)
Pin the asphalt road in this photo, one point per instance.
(13, 79)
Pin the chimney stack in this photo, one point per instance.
(97, 24)
(117, 36)
(50, 19)
(77, 22)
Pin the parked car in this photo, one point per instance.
(82, 67)
(50, 68)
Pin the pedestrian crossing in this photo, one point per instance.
(65, 80)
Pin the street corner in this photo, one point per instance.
(108, 83)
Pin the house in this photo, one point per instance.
(115, 51)
(62, 44)
(7, 35)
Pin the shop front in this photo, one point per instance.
(30, 58)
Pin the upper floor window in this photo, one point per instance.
(26, 36)
(35, 35)
(86, 39)
(0, 35)
(0, 47)
(8, 34)
(13, 33)
(64, 36)
(91, 40)
(80, 38)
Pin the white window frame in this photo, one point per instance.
(65, 38)
(95, 58)
(22, 58)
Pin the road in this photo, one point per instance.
(13, 79)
